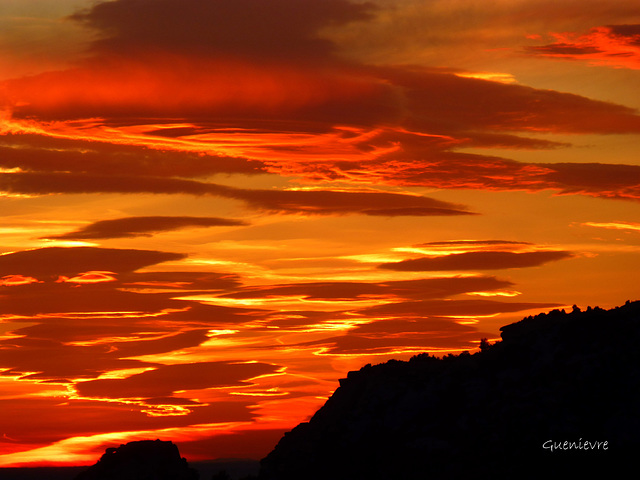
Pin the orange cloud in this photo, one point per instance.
(615, 225)
(166, 379)
(616, 46)
(12, 280)
(221, 89)
(90, 277)
(186, 97)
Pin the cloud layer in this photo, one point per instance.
(223, 206)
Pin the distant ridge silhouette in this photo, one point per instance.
(141, 460)
(541, 403)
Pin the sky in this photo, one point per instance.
(212, 210)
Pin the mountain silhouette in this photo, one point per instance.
(557, 397)
(141, 460)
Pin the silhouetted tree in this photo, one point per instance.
(484, 344)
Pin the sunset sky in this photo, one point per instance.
(212, 210)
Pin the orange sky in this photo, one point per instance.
(213, 210)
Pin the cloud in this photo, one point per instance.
(477, 261)
(45, 420)
(634, 227)
(166, 379)
(39, 153)
(435, 100)
(144, 226)
(278, 29)
(616, 46)
(406, 123)
(596, 179)
(180, 280)
(449, 169)
(313, 202)
(420, 288)
(59, 261)
(374, 203)
(42, 360)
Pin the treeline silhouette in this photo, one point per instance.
(141, 460)
(558, 396)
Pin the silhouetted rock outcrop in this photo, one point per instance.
(142, 460)
(504, 412)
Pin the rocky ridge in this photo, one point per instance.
(503, 412)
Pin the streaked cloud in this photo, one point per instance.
(222, 207)
(165, 380)
(478, 261)
(614, 225)
(56, 261)
(145, 226)
(616, 46)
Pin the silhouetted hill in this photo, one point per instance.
(141, 460)
(504, 412)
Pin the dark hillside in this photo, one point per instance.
(504, 412)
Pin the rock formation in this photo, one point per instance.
(141, 460)
(558, 397)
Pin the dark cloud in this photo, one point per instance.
(446, 103)
(631, 32)
(627, 30)
(144, 226)
(58, 261)
(69, 330)
(167, 379)
(477, 261)
(313, 202)
(421, 288)
(46, 420)
(210, 281)
(51, 360)
(61, 298)
(344, 202)
(42, 358)
(596, 179)
(34, 153)
(563, 49)
(126, 304)
(278, 29)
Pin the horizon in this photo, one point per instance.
(213, 210)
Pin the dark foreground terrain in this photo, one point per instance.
(558, 397)
(504, 412)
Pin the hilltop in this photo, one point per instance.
(503, 412)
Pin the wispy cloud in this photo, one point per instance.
(145, 226)
(616, 46)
